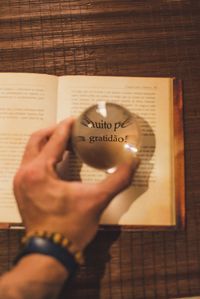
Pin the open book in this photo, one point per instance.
(155, 199)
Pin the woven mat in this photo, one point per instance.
(127, 38)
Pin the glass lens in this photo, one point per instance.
(106, 135)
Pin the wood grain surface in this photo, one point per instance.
(126, 38)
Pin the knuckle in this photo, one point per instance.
(33, 176)
(17, 179)
(30, 175)
(35, 135)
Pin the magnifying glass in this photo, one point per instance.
(106, 135)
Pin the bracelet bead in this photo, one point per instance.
(52, 244)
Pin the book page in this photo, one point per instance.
(149, 200)
(27, 103)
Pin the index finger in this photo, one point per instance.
(35, 143)
(56, 145)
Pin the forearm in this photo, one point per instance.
(34, 277)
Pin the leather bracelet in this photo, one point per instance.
(45, 246)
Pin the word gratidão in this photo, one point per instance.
(107, 138)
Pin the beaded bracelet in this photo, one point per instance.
(52, 244)
(58, 239)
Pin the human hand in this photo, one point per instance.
(47, 203)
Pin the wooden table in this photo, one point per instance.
(126, 38)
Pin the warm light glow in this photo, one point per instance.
(101, 108)
(111, 170)
(130, 148)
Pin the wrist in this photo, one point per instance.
(39, 264)
(35, 276)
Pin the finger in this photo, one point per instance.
(36, 142)
(117, 181)
(55, 147)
